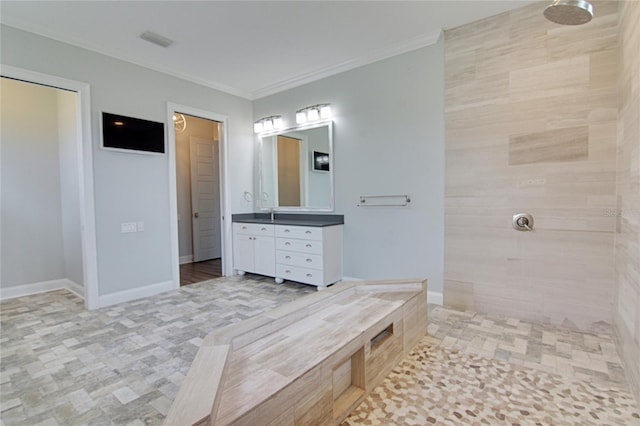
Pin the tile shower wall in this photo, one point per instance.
(627, 283)
(531, 119)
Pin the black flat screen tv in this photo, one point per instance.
(133, 134)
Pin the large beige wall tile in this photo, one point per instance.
(627, 282)
(531, 126)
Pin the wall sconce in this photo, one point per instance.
(268, 123)
(313, 113)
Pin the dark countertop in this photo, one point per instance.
(291, 219)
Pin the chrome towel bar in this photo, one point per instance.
(384, 200)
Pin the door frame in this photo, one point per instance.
(84, 162)
(225, 205)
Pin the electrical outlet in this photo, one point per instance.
(127, 227)
(140, 226)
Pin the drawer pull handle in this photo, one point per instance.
(287, 257)
(309, 275)
(287, 271)
(244, 227)
(286, 230)
(264, 229)
(307, 232)
(309, 260)
(287, 243)
(309, 245)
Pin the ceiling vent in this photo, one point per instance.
(154, 38)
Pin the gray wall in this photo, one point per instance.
(32, 242)
(132, 187)
(319, 182)
(388, 139)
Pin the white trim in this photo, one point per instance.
(186, 259)
(225, 203)
(85, 170)
(75, 288)
(400, 48)
(134, 293)
(40, 287)
(351, 279)
(434, 297)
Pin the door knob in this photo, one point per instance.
(196, 215)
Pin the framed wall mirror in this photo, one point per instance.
(296, 168)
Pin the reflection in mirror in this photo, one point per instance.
(296, 168)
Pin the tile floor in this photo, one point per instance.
(122, 365)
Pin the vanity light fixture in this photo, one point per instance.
(301, 117)
(325, 111)
(268, 123)
(313, 113)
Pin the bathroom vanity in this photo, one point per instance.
(306, 248)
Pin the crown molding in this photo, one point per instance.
(400, 48)
(299, 80)
(44, 32)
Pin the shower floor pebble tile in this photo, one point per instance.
(471, 369)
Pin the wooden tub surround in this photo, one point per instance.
(311, 361)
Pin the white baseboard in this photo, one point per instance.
(186, 259)
(135, 293)
(351, 279)
(41, 287)
(435, 298)
(75, 288)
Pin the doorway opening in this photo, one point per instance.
(48, 228)
(198, 193)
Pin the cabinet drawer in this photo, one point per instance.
(252, 229)
(307, 260)
(302, 246)
(302, 275)
(300, 232)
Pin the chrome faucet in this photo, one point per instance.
(272, 213)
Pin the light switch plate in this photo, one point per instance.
(126, 227)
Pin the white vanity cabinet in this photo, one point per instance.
(254, 248)
(309, 254)
(306, 254)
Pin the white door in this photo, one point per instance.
(205, 199)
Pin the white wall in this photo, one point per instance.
(32, 248)
(69, 186)
(132, 187)
(388, 139)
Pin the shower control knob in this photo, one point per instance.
(522, 222)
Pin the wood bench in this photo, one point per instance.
(310, 361)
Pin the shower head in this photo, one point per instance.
(569, 12)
